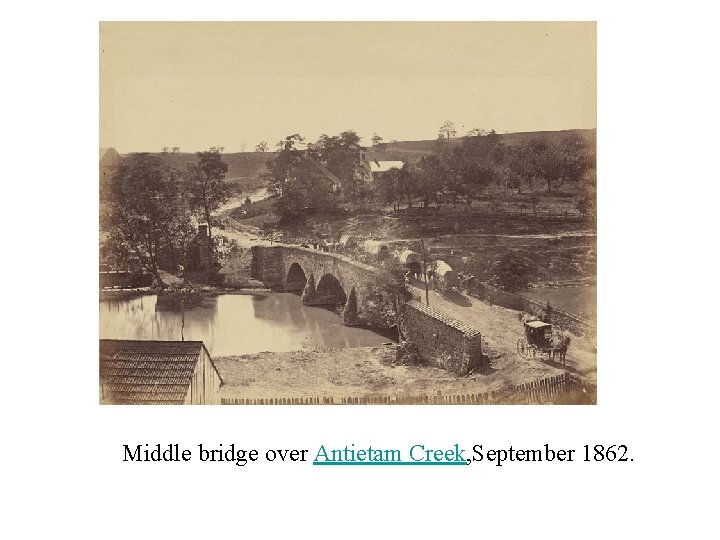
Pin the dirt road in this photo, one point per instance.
(501, 328)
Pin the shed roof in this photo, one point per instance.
(147, 372)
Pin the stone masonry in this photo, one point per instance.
(442, 340)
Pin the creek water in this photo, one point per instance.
(232, 324)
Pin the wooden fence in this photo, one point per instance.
(559, 389)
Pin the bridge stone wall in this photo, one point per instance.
(442, 340)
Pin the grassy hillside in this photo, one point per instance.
(414, 150)
(244, 168)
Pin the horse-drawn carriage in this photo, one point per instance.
(542, 338)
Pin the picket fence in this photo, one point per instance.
(564, 388)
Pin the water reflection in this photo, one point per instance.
(232, 324)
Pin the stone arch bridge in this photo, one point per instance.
(444, 341)
(334, 278)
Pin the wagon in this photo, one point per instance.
(443, 277)
(412, 261)
(541, 337)
(375, 248)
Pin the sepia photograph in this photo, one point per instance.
(348, 213)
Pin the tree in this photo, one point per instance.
(387, 188)
(341, 155)
(432, 176)
(207, 188)
(509, 179)
(376, 139)
(175, 149)
(442, 149)
(568, 160)
(447, 130)
(289, 155)
(262, 146)
(522, 162)
(392, 292)
(474, 178)
(350, 311)
(513, 271)
(407, 182)
(396, 184)
(164, 149)
(481, 146)
(145, 215)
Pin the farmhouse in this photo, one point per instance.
(157, 373)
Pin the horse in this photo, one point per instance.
(559, 348)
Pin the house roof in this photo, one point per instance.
(334, 180)
(384, 166)
(147, 372)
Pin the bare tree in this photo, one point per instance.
(447, 130)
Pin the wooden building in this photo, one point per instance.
(157, 373)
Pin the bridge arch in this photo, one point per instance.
(330, 291)
(295, 279)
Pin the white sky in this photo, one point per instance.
(196, 85)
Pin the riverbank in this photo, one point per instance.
(116, 294)
(362, 372)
